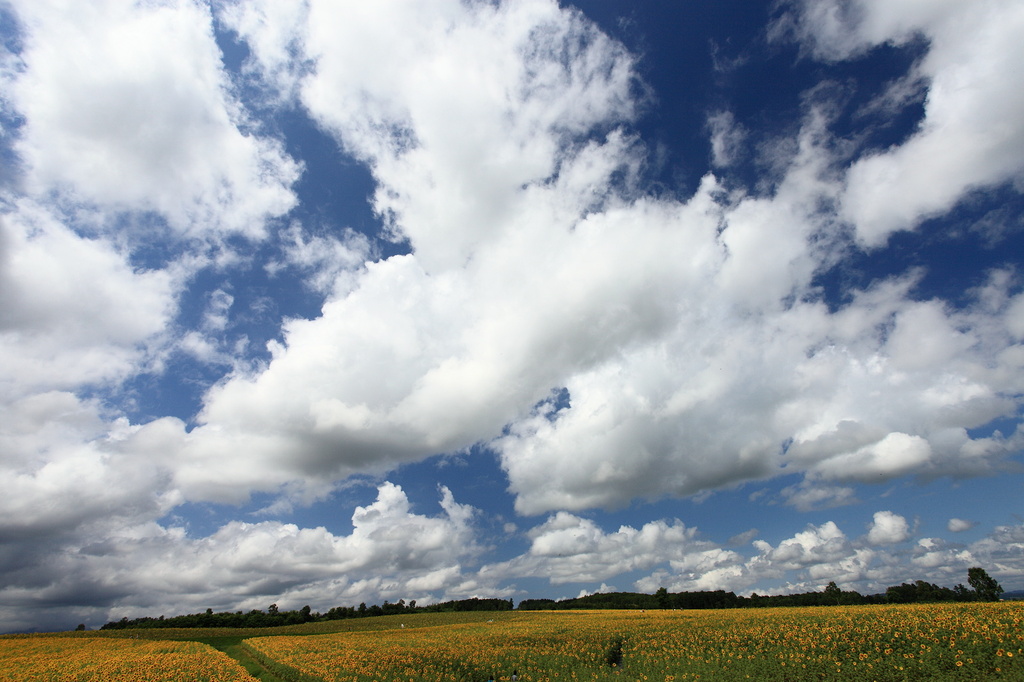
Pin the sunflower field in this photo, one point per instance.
(972, 641)
(82, 659)
(906, 642)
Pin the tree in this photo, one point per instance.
(984, 585)
(962, 593)
(904, 593)
(832, 593)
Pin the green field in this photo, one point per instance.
(973, 641)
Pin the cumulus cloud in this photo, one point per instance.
(113, 138)
(328, 261)
(971, 137)
(959, 525)
(888, 529)
(821, 554)
(74, 310)
(567, 548)
(815, 545)
(895, 454)
(454, 106)
(807, 561)
(607, 344)
(652, 314)
(808, 495)
(134, 569)
(83, 469)
(111, 120)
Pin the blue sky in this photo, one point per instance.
(326, 303)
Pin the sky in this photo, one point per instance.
(320, 303)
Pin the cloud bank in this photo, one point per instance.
(607, 343)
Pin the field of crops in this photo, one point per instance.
(976, 641)
(913, 642)
(28, 659)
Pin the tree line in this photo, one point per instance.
(274, 617)
(982, 587)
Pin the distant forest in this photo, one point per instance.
(273, 617)
(982, 588)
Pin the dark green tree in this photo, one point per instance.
(984, 585)
(904, 593)
(833, 595)
(962, 593)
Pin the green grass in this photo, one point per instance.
(232, 646)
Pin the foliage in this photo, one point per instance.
(985, 587)
(613, 654)
(923, 592)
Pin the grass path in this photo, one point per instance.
(232, 646)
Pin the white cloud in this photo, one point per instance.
(959, 525)
(113, 129)
(694, 349)
(567, 548)
(76, 313)
(207, 344)
(457, 106)
(134, 567)
(273, 31)
(83, 478)
(896, 454)
(808, 495)
(815, 545)
(972, 136)
(805, 562)
(937, 556)
(727, 138)
(74, 309)
(653, 314)
(888, 529)
(112, 120)
(331, 263)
